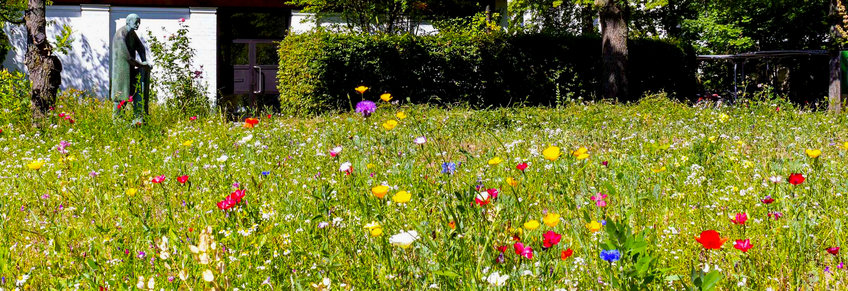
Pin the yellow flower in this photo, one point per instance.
(390, 124)
(402, 197)
(495, 161)
(380, 191)
(660, 170)
(400, 115)
(187, 143)
(581, 153)
(386, 97)
(712, 139)
(593, 226)
(370, 166)
(531, 225)
(361, 89)
(35, 165)
(131, 191)
(723, 117)
(845, 145)
(813, 153)
(511, 181)
(551, 219)
(374, 229)
(551, 153)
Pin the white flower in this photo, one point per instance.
(345, 167)
(151, 284)
(483, 196)
(420, 140)
(208, 276)
(496, 279)
(404, 239)
(335, 151)
(776, 179)
(140, 284)
(223, 158)
(246, 139)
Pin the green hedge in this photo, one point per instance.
(319, 70)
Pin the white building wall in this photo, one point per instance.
(87, 67)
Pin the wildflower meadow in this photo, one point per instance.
(654, 195)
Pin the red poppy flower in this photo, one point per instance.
(711, 239)
(796, 179)
(566, 254)
(550, 239)
(182, 179)
(269, 116)
(158, 179)
(521, 166)
(833, 251)
(743, 245)
(502, 248)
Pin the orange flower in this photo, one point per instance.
(361, 89)
(250, 122)
(452, 224)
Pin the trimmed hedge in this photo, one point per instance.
(319, 70)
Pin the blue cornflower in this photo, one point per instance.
(448, 168)
(610, 255)
(265, 173)
(603, 222)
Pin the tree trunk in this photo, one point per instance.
(44, 68)
(614, 49)
(587, 19)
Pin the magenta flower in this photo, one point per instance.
(523, 251)
(599, 199)
(740, 218)
(550, 239)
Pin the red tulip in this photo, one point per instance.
(521, 166)
(566, 254)
(796, 179)
(833, 251)
(550, 239)
(711, 239)
(182, 179)
(743, 245)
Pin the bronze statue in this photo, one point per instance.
(130, 78)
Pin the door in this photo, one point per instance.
(255, 64)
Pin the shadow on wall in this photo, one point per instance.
(84, 68)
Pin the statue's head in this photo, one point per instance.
(133, 21)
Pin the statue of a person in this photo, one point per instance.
(129, 76)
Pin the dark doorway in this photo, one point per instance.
(248, 60)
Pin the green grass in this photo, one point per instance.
(73, 223)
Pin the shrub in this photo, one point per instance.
(318, 70)
(14, 98)
(179, 77)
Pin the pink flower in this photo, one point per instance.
(182, 19)
(740, 218)
(551, 238)
(743, 245)
(192, 118)
(599, 199)
(158, 179)
(182, 179)
(520, 250)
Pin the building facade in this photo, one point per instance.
(234, 41)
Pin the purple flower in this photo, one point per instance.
(366, 107)
(141, 255)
